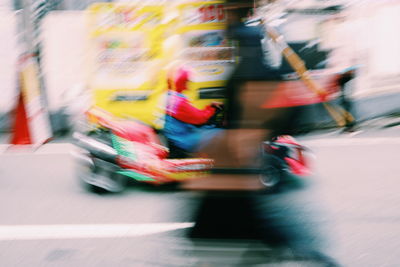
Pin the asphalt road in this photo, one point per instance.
(349, 209)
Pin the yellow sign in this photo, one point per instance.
(210, 15)
(210, 70)
(126, 75)
(206, 49)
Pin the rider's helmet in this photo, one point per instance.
(182, 77)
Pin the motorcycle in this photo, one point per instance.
(116, 151)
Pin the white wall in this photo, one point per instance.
(64, 51)
(368, 38)
(6, 4)
(8, 56)
(301, 27)
(376, 41)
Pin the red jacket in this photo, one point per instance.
(181, 109)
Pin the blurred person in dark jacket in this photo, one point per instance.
(287, 217)
(251, 64)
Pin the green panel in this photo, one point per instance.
(136, 176)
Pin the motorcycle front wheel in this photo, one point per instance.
(270, 176)
(98, 176)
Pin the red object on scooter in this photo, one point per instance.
(297, 167)
(140, 150)
(295, 159)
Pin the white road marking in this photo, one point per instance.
(79, 231)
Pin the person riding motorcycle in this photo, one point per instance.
(185, 127)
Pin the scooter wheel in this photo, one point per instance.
(270, 176)
(95, 189)
(100, 177)
(107, 181)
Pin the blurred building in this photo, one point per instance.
(327, 33)
(349, 33)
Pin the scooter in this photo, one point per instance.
(116, 151)
(283, 156)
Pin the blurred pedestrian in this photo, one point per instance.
(278, 220)
(251, 64)
(345, 98)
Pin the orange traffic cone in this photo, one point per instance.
(20, 132)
